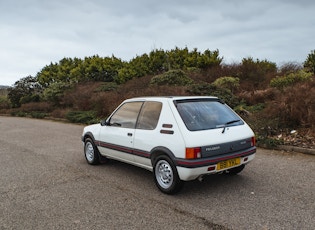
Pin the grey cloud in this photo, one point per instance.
(44, 31)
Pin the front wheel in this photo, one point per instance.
(91, 152)
(166, 176)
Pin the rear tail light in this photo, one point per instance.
(253, 141)
(193, 153)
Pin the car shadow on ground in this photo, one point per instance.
(215, 183)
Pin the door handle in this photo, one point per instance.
(129, 134)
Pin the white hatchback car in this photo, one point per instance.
(178, 138)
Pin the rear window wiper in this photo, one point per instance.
(228, 123)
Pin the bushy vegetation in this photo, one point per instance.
(172, 77)
(290, 79)
(4, 103)
(84, 117)
(272, 99)
(231, 83)
(309, 63)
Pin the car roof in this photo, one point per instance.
(169, 98)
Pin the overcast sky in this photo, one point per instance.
(35, 33)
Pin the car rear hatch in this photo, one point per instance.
(212, 126)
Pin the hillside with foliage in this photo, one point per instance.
(273, 100)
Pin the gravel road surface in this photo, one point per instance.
(45, 183)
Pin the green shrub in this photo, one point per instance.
(83, 117)
(227, 82)
(253, 108)
(55, 92)
(290, 79)
(4, 102)
(172, 77)
(33, 114)
(29, 98)
(38, 115)
(17, 113)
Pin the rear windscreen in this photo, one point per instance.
(206, 114)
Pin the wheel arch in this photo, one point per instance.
(88, 135)
(161, 150)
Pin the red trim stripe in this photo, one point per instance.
(120, 148)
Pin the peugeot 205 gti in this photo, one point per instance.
(177, 138)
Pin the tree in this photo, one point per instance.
(158, 61)
(209, 59)
(137, 67)
(48, 74)
(54, 93)
(176, 58)
(25, 90)
(101, 69)
(309, 63)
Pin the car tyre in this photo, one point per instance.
(236, 170)
(91, 153)
(166, 175)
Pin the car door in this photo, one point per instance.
(117, 135)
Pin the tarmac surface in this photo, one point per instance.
(45, 183)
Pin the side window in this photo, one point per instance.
(126, 116)
(149, 115)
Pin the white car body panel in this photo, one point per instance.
(119, 137)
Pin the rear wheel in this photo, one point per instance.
(166, 176)
(91, 152)
(236, 170)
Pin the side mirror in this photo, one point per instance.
(104, 122)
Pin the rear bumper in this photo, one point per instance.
(190, 170)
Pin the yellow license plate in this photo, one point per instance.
(228, 163)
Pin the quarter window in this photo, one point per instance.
(149, 115)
